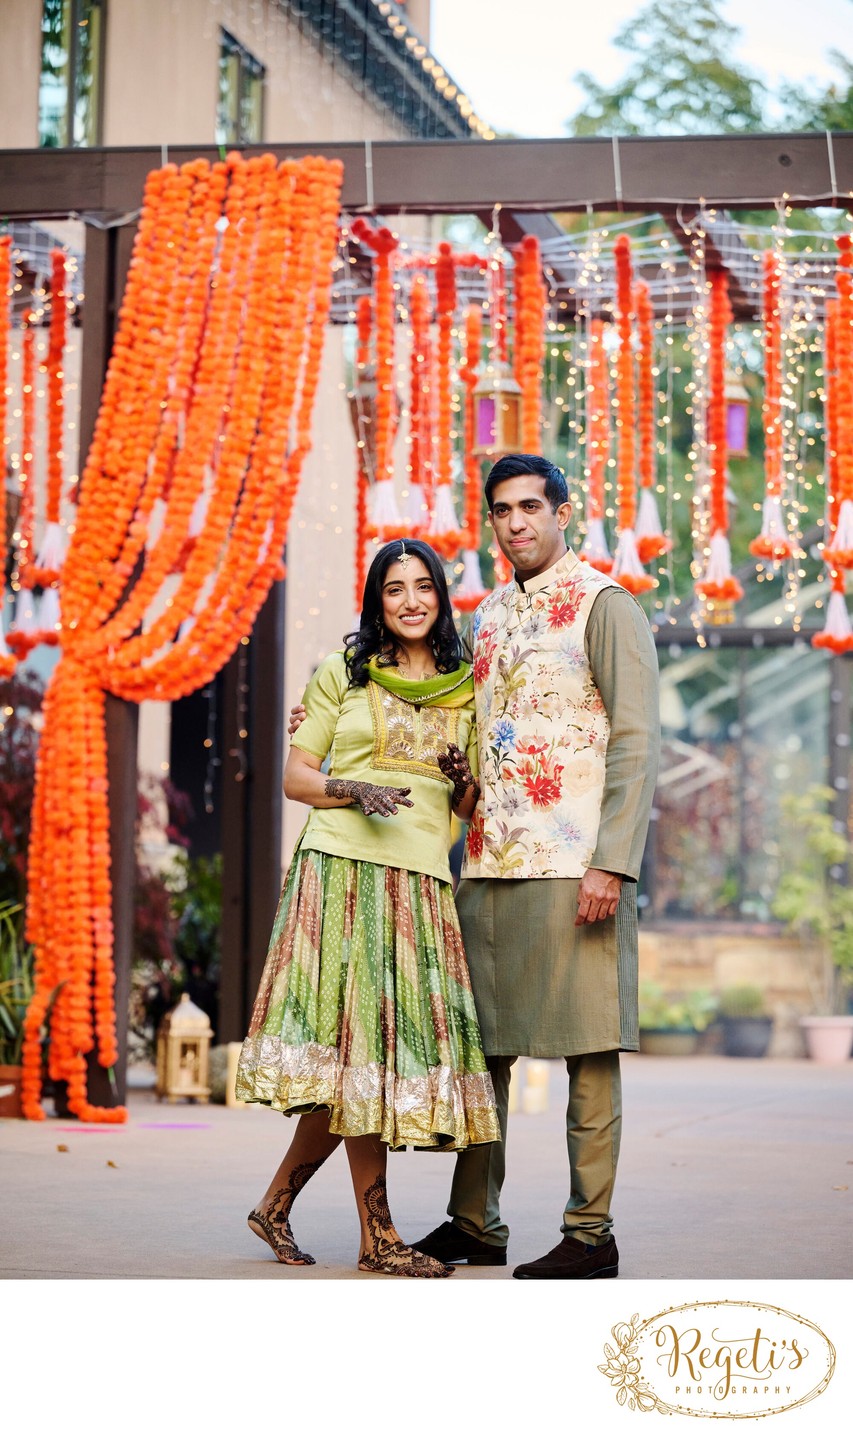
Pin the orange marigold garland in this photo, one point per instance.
(364, 324)
(23, 634)
(651, 540)
(420, 415)
(718, 585)
(773, 541)
(386, 520)
(530, 340)
(7, 659)
(594, 548)
(445, 535)
(471, 590)
(837, 633)
(627, 567)
(230, 383)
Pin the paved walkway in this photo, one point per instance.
(730, 1168)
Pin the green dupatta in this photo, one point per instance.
(450, 691)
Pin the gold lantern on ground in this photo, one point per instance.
(497, 413)
(737, 416)
(183, 1047)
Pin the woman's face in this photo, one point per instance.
(409, 601)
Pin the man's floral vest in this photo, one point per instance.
(542, 728)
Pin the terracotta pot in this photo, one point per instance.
(10, 1091)
(828, 1040)
(669, 1042)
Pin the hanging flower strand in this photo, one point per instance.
(22, 636)
(7, 659)
(837, 633)
(364, 325)
(594, 548)
(651, 540)
(718, 585)
(386, 521)
(445, 534)
(471, 590)
(773, 541)
(627, 567)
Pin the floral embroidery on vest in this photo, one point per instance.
(542, 729)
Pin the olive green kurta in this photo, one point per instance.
(543, 987)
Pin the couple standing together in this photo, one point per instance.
(373, 1022)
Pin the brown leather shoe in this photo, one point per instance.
(574, 1259)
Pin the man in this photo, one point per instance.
(566, 685)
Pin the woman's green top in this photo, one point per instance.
(390, 732)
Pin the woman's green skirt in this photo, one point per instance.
(365, 1009)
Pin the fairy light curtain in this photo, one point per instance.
(185, 502)
(651, 341)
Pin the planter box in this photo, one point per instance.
(746, 1037)
(828, 1040)
(10, 1092)
(669, 1042)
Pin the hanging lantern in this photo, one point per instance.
(737, 416)
(183, 1045)
(497, 413)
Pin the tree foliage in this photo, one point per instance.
(684, 80)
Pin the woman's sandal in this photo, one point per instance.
(281, 1240)
(398, 1260)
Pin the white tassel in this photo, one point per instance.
(25, 614)
(471, 584)
(594, 547)
(648, 518)
(627, 560)
(51, 555)
(415, 508)
(773, 521)
(837, 624)
(384, 512)
(719, 568)
(48, 613)
(444, 518)
(843, 536)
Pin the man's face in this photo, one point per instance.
(528, 531)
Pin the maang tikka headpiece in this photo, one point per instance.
(404, 557)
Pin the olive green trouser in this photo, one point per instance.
(593, 1131)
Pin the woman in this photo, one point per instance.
(364, 1022)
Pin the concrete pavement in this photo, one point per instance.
(730, 1168)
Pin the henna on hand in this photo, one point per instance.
(369, 797)
(455, 767)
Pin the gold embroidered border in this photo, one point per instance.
(408, 738)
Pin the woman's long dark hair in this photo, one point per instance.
(370, 639)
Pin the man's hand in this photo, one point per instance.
(369, 797)
(297, 716)
(598, 896)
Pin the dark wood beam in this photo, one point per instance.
(468, 176)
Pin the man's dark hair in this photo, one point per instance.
(556, 488)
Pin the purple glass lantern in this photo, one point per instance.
(497, 413)
(737, 417)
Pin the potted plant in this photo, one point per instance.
(16, 990)
(671, 1023)
(815, 901)
(745, 1025)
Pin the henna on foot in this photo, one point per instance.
(386, 1253)
(271, 1221)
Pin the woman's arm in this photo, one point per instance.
(305, 783)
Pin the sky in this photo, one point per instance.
(515, 61)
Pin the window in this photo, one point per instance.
(239, 112)
(72, 49)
